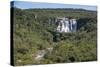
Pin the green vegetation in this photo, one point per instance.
(33, 32)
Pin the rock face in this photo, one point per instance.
(66, 25)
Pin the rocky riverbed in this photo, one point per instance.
(41, 53)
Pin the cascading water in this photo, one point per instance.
(66, 25)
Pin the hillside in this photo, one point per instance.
(34, 33)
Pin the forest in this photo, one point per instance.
(34, 34)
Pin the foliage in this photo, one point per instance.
(34, 30)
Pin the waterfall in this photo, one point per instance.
(66, 25)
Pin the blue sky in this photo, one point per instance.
(26, 5)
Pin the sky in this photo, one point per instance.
(27, 5)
